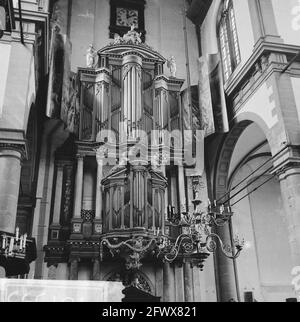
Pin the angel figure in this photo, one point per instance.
(133, 36)
(171, 63)
(91, 57)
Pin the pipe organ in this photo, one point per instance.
(127, 110)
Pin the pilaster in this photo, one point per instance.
(287, 166)
(11, 156)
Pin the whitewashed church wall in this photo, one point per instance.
(287, 15)
(244, 30)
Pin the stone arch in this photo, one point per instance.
(243, 120)
(227, 271)
(223, 163)
(274, 144)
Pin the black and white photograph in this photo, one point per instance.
(149, 153)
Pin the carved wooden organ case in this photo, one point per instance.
(129, 95)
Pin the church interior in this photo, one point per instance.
(154, 143)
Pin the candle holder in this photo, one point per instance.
(196, 239)
(13, 246)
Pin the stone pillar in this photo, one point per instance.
(10, 174)
(62, 272)
(74, 270)
(225, 270)
(168, 288)
(290, 190)
(78, 187)
(96, 270)
(98, 222)
(182, 193)
(99, 204)
(77, 220)
(188, 283)
(58, 194)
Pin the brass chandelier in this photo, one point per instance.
(197, 237)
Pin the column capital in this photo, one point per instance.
(80, 157)
(287, 162)
(20, 148)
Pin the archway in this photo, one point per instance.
(244, 177)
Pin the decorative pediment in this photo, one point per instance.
(118, 172)
(118, 50)
(158, 178)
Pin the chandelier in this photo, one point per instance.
(195, 242)
(13, 246)
(196, 237)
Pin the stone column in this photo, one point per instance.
(78, 187)
(62, 272)
(182, 193)
(74, 270)
(99, 204)
(225, 270)
(188, 283)
(96, 270)
(99, 201)
(168, 288)
(290, 190)
(10, 174)
(58, 194)
(77, 221)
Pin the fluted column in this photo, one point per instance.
(78, 187)
(182, 193)
(10, 175)
(99, 204)
(77, 221)
(58, 194)
(98, 222)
